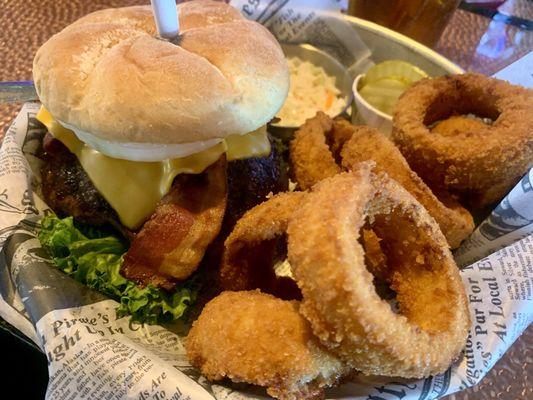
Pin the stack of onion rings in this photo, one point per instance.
(481, 164)
(351, 231)
(339, 299)
(259, 241)
(321, 144)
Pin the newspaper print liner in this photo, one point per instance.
(510, 221)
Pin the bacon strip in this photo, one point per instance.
(173, 241)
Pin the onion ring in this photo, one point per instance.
(481, 165)
(256, 241)
(369, 144)
(254, 337)
(310, 157)
(339, 299)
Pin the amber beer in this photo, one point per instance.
(423, 20)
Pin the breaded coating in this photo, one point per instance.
(310, 157)
(256, 338)
(341, 131)
(256, 243)
(457, 125)
(369, 144)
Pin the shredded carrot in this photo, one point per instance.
(329, 100)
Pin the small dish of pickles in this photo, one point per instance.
(378, 89)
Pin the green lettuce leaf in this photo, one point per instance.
(94, 259)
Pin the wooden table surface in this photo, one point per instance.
(482, 43)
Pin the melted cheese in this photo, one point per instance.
(134, 188)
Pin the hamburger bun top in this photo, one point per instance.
(109, 75)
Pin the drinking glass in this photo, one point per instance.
(422, 20)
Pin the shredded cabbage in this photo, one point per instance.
(311, 90)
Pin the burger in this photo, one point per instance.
(154, 147)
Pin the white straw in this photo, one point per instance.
(166, 18)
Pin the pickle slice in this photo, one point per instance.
(383, 84)
(394, 69)
(383, 94)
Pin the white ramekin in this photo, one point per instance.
(365, 114)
